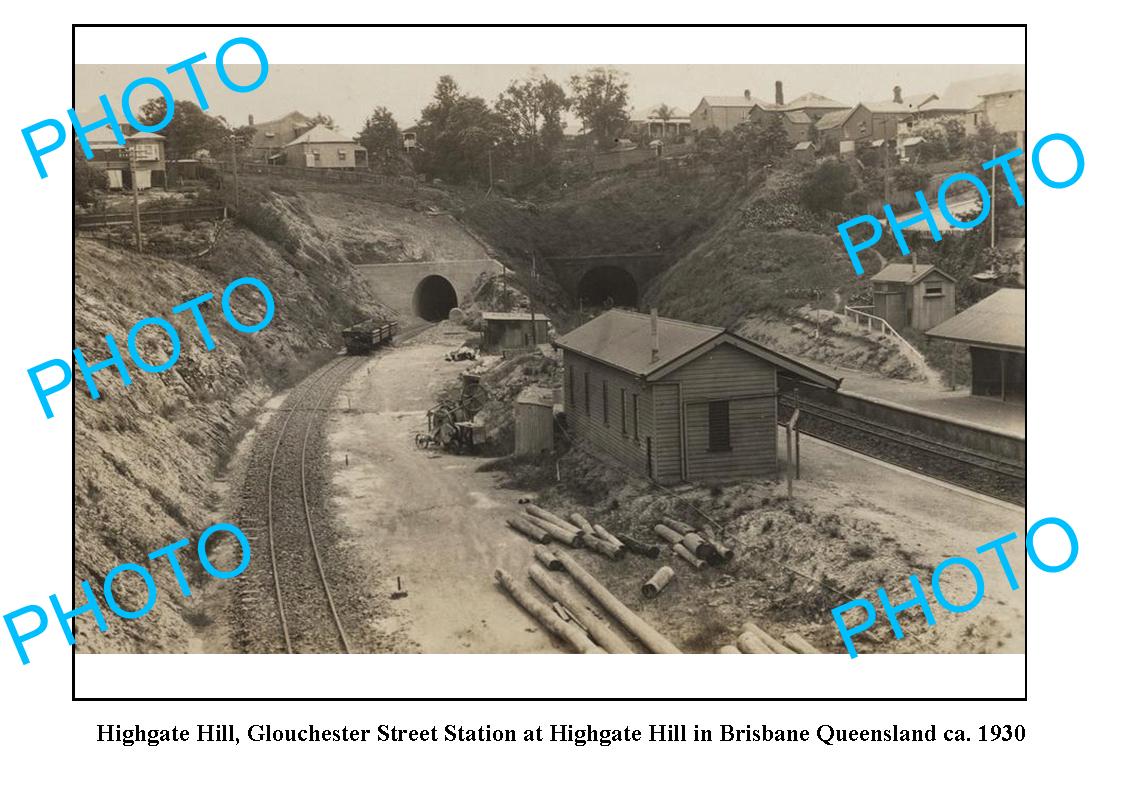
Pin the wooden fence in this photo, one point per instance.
(320, 174)
(870, 321)
(171, 215)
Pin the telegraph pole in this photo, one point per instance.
(993, 196)
(234, 161)
(530, 290)
(136, 197)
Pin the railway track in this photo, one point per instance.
(283, 507)
(970, 469)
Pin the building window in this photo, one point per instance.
(316, 155)
(569, 386)
(933, 289)
(719, 426)
(635, 417)
(587, 393)
(623, 413)
(342, 154)
(604, 399)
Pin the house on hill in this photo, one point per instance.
(676, 401)
(796, 124)
(324, 148)
(648, 124)
(995, 331)
(724, 113)
(113, 159)
(270, 137)
(912, 295)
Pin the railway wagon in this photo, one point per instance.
(365, 336)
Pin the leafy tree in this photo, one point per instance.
(600, 99)
(956, 136)
(189, 130)
(827, 186)
(908, 177)
(87, 179)
(456, 133)
(985, 140)
(323, 119)
(529, 115)
(383, 141)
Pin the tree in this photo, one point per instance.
(87, 179)
(529, 115)
(456, 133)
(907, 177)
(600, 99)
(986, 140)
(826, 188)
(322, 119)
(383, 141)
(761, 141)
(189, 130)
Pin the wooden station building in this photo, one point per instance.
(676, 401)
(914, 296)
(995, 331)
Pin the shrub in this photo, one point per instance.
(827, 186)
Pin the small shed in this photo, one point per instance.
(534, 421)
(804, 151)
(676, 401)
(995, 331)
(913, 295)
(909, 147)
(513, 331)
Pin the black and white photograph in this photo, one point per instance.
(556, 358)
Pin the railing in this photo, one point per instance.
(174, 215)
(858, 315)
(323, 174)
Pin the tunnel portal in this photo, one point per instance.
(433, 297)
(608, 285)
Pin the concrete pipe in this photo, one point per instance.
(657, 582)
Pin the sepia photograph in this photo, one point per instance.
(557, 358)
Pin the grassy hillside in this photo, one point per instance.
(147, 455)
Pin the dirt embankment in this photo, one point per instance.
(150, 457)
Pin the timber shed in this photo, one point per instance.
(912, 295)
(676, 401)
(994, 330)
(513, 331)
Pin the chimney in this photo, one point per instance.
(914, 262)
(897, 95)
(748, 94)
(779, 92)
(251, 120)
(654, 335)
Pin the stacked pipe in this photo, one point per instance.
(721, 553)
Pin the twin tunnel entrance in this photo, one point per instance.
(604, 285)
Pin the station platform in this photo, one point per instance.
(939, 401)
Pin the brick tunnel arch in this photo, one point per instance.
(433, 298)
(608, 285)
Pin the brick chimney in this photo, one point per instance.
(748, 94)
(655, 333)
(779, 92)
(897, 95)
(251, 120)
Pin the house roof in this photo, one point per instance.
(536, 396)
(913, 140)
(740, 101)
(798, 117)
(906, 106)
(833, 119)
(909, 273)
(965, 95)
(622, 339)
(998, 321)
(813, 100)
(803, 145)
(322, 135)
(512, 316)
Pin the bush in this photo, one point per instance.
(827, 186)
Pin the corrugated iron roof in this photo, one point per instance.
(833, 119)
(909, 273)
(740, 101)
(998, 321)
(798, 117)
(512, 316)
(965, 95)
(622, 340)
(322, 135)
(802, 145)
(813, 100)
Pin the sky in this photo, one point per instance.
(348, 93)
